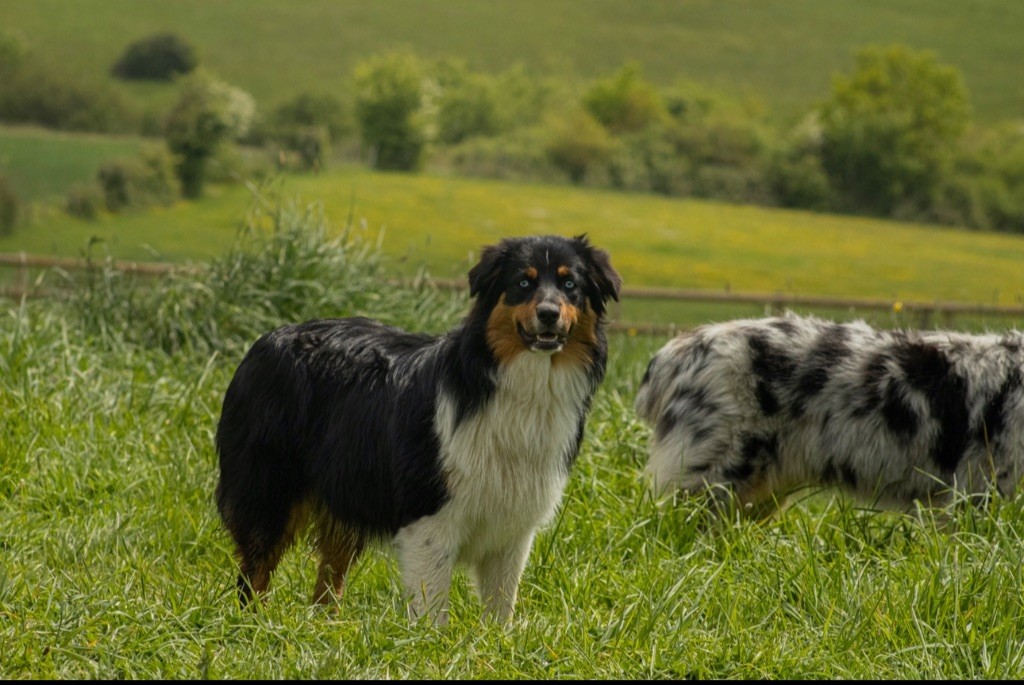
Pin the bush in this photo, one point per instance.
(795, 170)
(521, 98)
(650, 161)
(207, 114)
(299, 133)
(389, 99)
(978, 200)
(1002, 150)
(114, 179)
(239, 164)
(990, 171)
(624, 102)
(723, 139)
(731, 183)
(578, 145)
(32, 94)
(517, 155)
(890, 130)
(301, 148)
(797, 179)
(287, 265)
(12, 53)
(308, 110)
(689, 102)
(84, 200)
(713, 146)
(466, 106)
(159, 57)
(138, 182)
(701, 145)
(9, 206)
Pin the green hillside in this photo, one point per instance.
(441, 223)
(44, 164)
(782, 52)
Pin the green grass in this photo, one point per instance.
(782, 53)
(43, 165)
(113, 563)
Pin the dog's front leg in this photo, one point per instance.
(426, 558)
(497, 577)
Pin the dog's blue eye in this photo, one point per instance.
(569, 285)
(525, 283)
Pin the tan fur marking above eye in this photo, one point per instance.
(531, 272)
(502, 336)
(563, 271)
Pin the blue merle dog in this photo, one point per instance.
(762, 407)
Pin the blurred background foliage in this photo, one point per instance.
(894, 134)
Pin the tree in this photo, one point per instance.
(208, 113)
(890, 129)
(389, 98)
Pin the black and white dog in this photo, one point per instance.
(766, 406)
(456, 447)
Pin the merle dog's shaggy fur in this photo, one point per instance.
(766, 406)
(456, 447)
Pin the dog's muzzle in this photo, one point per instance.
(549, 332)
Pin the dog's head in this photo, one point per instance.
(542, 293)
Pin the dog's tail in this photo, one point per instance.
(263, 481)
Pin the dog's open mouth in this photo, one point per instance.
(544, 341)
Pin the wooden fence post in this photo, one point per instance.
(22, 278)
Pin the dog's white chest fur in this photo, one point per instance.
(506, 466)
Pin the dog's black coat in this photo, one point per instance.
(308, 393)
(338, 418)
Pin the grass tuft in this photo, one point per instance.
(286, 265)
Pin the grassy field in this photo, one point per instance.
(45, 164)
(438, 224)
(113, 563)
(782, 53)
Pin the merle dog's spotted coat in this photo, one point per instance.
(766, 406)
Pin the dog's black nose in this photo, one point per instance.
(548, 314)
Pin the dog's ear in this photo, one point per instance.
(487, 270)
(604, 281)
